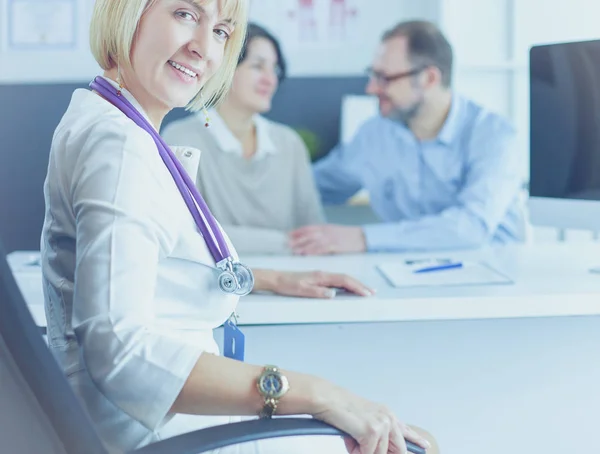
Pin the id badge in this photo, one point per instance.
(234, 341)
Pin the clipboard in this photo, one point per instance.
(401, 274)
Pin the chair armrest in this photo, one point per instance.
(216, 437)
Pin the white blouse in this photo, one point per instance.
(130, 287)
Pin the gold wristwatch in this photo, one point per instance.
(272, 386)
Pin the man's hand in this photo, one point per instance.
(327, 239)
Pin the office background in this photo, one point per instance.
(491, 39)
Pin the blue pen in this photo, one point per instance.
(446, 266)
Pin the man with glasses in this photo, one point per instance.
(441, 171)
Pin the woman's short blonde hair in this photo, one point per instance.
(114, 26)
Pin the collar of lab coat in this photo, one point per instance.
(129, 97)
(188, 156)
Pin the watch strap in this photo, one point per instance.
(269, 408)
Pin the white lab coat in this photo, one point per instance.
(130, 286)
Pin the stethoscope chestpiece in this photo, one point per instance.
(228, 282)
(235, 278)
(245, 279)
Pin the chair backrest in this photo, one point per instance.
(38, 410)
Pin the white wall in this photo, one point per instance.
(491, 40)
(478, 31)
(330, 54)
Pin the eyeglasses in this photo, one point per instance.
(382, 79)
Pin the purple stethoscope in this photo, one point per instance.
(235, 277)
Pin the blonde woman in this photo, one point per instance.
(132, 291)
(255, 173)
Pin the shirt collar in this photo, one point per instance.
(450, 129)
(129, 97)
(228, 143)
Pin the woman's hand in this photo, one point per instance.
(311, 284)
(374, 428)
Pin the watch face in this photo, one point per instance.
(271, 385)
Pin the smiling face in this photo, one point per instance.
(257, 77)
(178, 46)
(400, 97)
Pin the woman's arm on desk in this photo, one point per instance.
(310, 284)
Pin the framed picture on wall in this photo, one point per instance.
(40, 25)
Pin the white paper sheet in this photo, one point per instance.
(401, 274)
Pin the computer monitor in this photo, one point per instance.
(565, 135)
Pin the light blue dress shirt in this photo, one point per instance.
(464, 189)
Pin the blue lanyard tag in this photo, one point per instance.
(234, 341)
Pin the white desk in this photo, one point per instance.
(487, 369)
(552, 280)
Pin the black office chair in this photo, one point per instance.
(40, 413)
